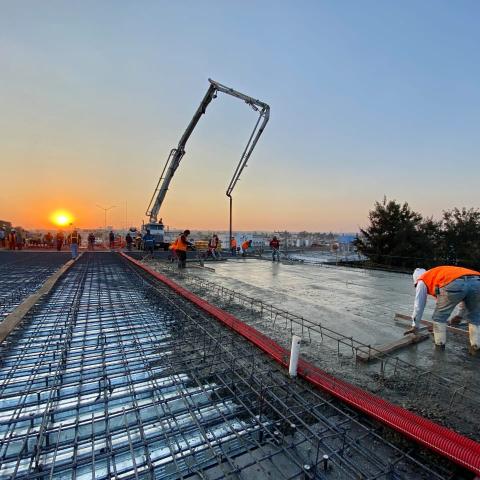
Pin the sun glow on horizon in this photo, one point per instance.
(61, 218)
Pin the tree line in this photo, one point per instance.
(397, 236)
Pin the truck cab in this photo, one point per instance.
(158, 232)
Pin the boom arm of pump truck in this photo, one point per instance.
(176, 154)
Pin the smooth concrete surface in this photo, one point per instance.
(355, 302)
(358, 303)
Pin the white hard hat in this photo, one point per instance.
(417, 273)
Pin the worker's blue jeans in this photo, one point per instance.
(275, 253)
(74, 250)
(466, 289)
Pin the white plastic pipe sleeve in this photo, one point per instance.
(294, 353)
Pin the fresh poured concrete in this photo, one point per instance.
(359, 304)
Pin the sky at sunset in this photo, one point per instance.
(367, 99)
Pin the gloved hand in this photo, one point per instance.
(413, 330)
(456, 320)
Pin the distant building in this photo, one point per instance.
(346, 238)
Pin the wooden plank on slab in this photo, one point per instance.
(404, 318)
(210, 269)
(366, 355)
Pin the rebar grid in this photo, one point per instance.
(21, 273)
(457, 402)
(178, 300)
(116, 376)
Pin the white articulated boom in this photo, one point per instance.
(176, 154)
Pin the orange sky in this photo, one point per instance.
(187, 204)
(94, 95)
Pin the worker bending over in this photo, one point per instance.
(450, 286)
(245, 246)
(213, 247)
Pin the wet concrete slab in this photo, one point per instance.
(443, 386)
(359, 303)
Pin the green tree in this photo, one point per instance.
(430, 242)
(396, 236)
(460, 237)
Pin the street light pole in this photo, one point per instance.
(105, 210)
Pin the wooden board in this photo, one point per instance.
(13, 319)
(202, 267)
(404, 318)
(380, 350)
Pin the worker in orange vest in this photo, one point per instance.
(245, 246)
(233, 246)
(450, 286)
(181, 246)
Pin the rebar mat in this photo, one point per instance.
(115, 376)
(21, 273)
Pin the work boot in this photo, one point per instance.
(474, 334)
(440, 334)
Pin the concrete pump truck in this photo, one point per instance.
(155, 226)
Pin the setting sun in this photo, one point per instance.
(61, 218)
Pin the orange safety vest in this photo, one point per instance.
(233, 243)
(441, 276)
(245, 245)
(179, 245)
(173, 246)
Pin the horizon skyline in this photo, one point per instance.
(173, 228)
(53, 226)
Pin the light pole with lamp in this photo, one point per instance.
(105, 210)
